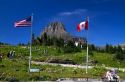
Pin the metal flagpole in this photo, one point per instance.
(30, 43)
(87, 52)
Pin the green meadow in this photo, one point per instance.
(17, 68)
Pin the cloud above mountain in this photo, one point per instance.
(100, 1)
(75, 12)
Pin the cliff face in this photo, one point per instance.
(56, 29)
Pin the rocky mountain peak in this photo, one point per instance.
(55, 26)
(56, 29)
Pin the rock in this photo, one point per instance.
(57, 29)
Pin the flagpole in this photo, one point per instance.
(30, 43)
(87, 55)
(87, 52)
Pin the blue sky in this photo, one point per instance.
(106, 19)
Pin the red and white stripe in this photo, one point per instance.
(22, 23)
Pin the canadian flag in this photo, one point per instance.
(82, 25)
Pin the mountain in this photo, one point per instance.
(56, 29)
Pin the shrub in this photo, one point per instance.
(120, 56)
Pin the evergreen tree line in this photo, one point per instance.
(1, 43)
(61, 44)
(117, 51)
(69, 46)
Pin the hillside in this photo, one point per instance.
(17, 67)
(39, 54)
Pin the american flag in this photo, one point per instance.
(23, 23)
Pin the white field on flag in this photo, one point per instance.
(82, 25)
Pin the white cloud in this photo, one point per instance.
(75, 12)
(100, 1)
